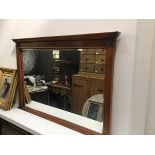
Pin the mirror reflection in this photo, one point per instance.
(68, 79)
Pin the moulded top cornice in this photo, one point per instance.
(93, 36)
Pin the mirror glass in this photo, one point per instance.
(67, 79)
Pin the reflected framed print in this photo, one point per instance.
(95, 110)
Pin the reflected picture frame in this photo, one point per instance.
(94, 110)
(8, 86)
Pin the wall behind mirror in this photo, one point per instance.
(67, 79)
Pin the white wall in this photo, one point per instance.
(124, 61)
(150, 111)
(142, 77)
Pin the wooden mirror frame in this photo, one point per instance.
(95, 40)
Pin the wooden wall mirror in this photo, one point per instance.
(70, 75)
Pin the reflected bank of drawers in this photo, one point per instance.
(93, 61)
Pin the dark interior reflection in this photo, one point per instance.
(52, 77)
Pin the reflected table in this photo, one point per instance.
(63, 90)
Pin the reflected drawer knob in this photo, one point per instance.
(96, 71)
(86, 59)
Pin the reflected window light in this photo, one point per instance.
(56, 54)
(80, 49)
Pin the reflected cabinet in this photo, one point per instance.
(82, 89)
(72, 76)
